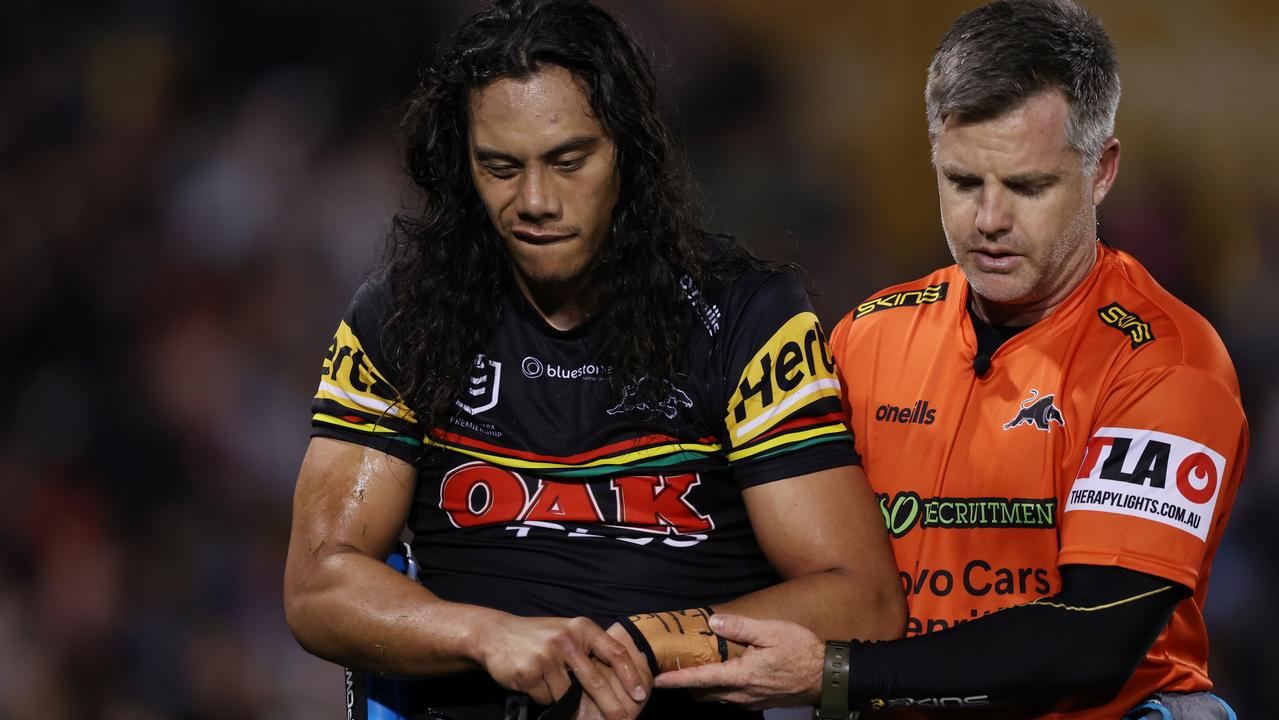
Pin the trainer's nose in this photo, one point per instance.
(994, 212)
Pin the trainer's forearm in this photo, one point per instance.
(354, 610)
(834, 604)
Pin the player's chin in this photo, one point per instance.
(549, 273)
(547, 266)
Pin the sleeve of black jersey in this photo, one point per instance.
(356, 400)
(1082, 644)
(783, 415)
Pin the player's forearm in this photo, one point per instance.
(834, 604)
(353, 610)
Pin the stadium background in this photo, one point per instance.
(189, 193)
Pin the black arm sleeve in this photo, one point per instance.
(1084, 641)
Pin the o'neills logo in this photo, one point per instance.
(918, 414)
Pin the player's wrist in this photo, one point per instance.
(480, 634)
(675, 639)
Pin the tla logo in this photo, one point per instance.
(1148, 474)
(919, 414)
(1039, 412)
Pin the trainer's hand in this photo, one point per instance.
(535, 656)
(782, 665)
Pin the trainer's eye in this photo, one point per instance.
(1029, 190)
(965, 183)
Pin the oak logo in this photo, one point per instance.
(919, 414)
(480, 388)
(1143, 473)
(477, 494)
(1038, 412)
(904, 298)
(1128, 323)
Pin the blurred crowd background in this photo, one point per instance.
(190, 192)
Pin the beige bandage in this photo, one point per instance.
(674, 639)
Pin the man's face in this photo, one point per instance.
(545, 171)
(1018, 211)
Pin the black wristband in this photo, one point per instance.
(641, 643)
(833, 702)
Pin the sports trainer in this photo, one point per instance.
(584, 407)
(1056, 440)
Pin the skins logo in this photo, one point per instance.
(1134, 327)
(1143, 473)
(477, 494)
(669, 407)
(1038, 412)
(904, 298)
(932, 702)
(482, 384)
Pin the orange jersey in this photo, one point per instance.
(1109, 433)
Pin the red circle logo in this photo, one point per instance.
(1203, 469)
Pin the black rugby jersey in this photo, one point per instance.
(543, 496)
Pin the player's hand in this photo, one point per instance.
(782, 666)
(535, 656)
(588, 710)
(632, 701)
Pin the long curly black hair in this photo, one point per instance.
(447, 264)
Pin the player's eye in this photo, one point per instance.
(500, 170)
(569, 164)
(963, 183)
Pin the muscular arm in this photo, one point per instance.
(824, 534)
(345, 604)
(341, 601)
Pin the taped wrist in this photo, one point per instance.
(674, 639)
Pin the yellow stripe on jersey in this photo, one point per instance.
(362, 427)
(349, 379)
(790, 371)
(787, 439)
(624, 459)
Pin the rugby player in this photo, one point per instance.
(600, 423)
(1055, 439)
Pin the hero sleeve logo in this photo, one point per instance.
(1039, 412)
(1143, 473)
(790, 371)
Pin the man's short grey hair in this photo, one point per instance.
(995, 57)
